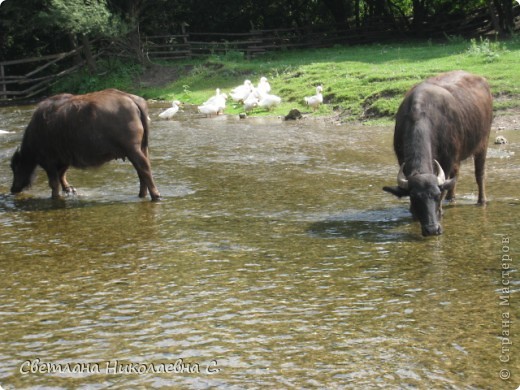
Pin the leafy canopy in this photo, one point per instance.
(89, 17)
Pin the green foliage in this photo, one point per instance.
(457, 39)
(233, 55)
(186, 93)
(82, 17)
(111, 73)
(485, 49)
(29, 26)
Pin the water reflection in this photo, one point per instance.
(274, 253)
(370, 225)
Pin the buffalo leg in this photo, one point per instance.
(451, 192)
(143, 187)
(480, 172)
(54, 182)
(65, 186)
(142, 178)
(144, 171)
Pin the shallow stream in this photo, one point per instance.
(274, 260)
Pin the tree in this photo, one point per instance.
(338, 9)
(420, 12)
(81, 20)
(33, 27)
(153, 16)
(21, 31)
(502, 15)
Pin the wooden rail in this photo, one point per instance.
(256, 42)
(47, 70)
(251, 43)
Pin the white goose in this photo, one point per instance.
(219, 100)
(170, 112)
(316, 100)
(268, 101)
(251, 101)
(209, 109)
(240, 93)
(263, 86)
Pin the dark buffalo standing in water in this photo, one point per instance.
(440, 122)
(84, 131)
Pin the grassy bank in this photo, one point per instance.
(360, 83)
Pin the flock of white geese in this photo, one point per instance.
(246, 94)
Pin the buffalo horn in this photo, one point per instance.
(402, 181)
(441, 177)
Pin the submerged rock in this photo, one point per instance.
(500, 140)
(293, 114)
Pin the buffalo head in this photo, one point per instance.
(426, 192)
(23, 172)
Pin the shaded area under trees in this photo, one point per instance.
(29, 28)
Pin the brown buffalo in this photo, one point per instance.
(84, 131)
(440, 122)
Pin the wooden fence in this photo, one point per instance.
(45, 71)
(256, 42)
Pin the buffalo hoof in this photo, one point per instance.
(70, 190)
(155, 195)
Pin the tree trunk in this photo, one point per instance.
(134, 40)
(508, 23)
(419, 15)
(357, 13)
(78, 59)
(501, 12)
(87, 52)
(339, 12)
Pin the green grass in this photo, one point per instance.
(360, 82)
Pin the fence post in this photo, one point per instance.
(255, 38)
(2, 81)
(186, 37)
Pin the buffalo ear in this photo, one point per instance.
(448, 184)
(397, 191)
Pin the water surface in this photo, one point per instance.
(274, 260)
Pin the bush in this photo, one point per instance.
(110, 73)
(489, 51)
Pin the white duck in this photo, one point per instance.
(170, 112)
(316, 100)
(240, 93)
(219, 100)
(251, 101)
(268, 101)
(263, 86)
(209, 109)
